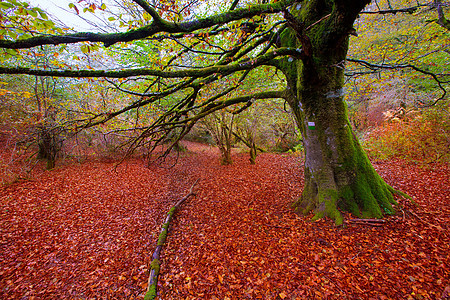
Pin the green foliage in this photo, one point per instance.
(19, 20)
(389, 98)
(297, 148)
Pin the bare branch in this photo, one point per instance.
(408, 10)
(373, 66)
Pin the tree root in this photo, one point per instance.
(401, 194)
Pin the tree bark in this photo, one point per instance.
(338, 173)
(253, 153)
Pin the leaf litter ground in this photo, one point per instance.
(88, 230)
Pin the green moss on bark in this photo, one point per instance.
(327, 206)
(163, 235)
(151, 291)
(155, 265)
(338, 174)
(172, 211)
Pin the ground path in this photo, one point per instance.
(87, 231)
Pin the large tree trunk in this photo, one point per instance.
(337, 171)
(338, 174)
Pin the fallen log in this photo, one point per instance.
(155, 264)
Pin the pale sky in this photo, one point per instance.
(60, 9)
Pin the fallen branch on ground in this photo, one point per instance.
(369, 222)
(155, 264)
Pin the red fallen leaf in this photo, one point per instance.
(109, 216)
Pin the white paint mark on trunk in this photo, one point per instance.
(335, 94)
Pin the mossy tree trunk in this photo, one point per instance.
(253, 153)
(338, 174)
(225, 146)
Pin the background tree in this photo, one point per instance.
(220, 126)
(201, 46)
(245, 131)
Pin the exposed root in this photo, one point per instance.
(364, 199)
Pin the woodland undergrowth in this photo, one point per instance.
(422, 139)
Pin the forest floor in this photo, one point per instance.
(88, 230)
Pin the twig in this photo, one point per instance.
(403, 218)
(369, 222)
(354, 256)
(317, 22)
(425, 222)
(277, 226)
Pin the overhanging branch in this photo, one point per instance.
(157, 26)
(177, 118)
(219, 69)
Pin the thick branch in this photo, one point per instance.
(157, 26)
(299, 29)
(212, 107)
(221, 69)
